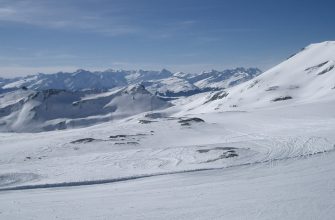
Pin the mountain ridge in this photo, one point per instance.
(155, 81)
(306, 77)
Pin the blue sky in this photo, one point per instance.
(180, 35)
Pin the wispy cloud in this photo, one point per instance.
(6, 13)
(48, 14)
(113, 20)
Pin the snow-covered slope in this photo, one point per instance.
(224, 79)
(308, 76)
(27, 110)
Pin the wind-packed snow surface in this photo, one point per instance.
(248, 152)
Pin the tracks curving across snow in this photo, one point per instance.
(23, 177)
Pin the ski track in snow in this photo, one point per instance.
(106, 181)
(284, 154)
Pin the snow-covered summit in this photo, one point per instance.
(308, 76)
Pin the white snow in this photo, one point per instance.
(236, 154)
(307, 77)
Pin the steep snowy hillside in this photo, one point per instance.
(308, 76)
(27, 110)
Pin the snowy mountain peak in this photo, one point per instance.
(136, 89)
(82, 72)
(308, 76)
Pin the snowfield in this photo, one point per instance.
(248, 152)
(293, 189)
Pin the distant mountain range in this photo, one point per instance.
(164, 82)
(64, 100)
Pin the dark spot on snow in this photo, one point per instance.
(326, 70)
(132, 142)
(118, 136)
(228, 149)
(203, 150)
(255, 82)
(217, 96)
(185, 124)
(317, 66)
(228, 152)
(282, 98)
(145, 121)
(83, 140)
(128, 139)
(154, 115)
(188, 121)
(231, 155)
(123, 136)
(140, 134)
(272, 88)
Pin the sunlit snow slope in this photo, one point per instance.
(306, 77)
